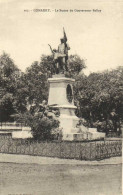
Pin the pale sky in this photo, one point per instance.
(96, 37)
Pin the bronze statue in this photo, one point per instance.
(63, 50)
(60, 56)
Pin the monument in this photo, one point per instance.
(61, 97)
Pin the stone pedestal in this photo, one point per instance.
(61, 97)
(58, 90)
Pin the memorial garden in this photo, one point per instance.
(70, 115)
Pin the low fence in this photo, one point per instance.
(97, 150)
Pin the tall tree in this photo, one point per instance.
(99, 99)
(9, 75)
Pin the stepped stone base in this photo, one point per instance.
(59, 98)
(83, 133)
(83, 136)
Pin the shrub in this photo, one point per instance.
(42, 119)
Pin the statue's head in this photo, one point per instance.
(62, 40)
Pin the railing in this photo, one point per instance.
(97, 150)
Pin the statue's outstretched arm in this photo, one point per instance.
(50, 48)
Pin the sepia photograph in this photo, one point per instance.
(61, 97)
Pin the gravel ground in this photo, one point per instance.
(59, 179)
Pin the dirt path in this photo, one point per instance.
(47, 160)
(59, 179)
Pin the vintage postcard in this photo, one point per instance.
(61, 92)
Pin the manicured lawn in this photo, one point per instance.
(34, 179)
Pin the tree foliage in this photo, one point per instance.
(42, 119)
(9, 77)
(36, 76)
(23, 88)
(99, 99)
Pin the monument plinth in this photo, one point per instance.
(61, 97)
(61, 88)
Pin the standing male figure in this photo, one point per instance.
(63, 51)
